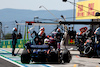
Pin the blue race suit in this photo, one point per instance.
(98, 33)
(14, 41)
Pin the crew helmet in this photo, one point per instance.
(58, 30)
(14, 29)
(42, 28)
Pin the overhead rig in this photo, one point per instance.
(57, 23)
(79, 22)
(38, 23)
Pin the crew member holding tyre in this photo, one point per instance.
(81, 39)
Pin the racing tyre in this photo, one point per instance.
(53, 57)
(88, 51)
(41, 56)
(66, 56)
(25, 57)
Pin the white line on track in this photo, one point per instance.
(17, 63)
(49, 65)
(11, 61)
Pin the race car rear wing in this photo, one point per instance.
(39, 47)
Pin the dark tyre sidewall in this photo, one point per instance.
(66, 56)
(25, 57)
(89, 50)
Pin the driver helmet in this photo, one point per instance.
(46, 41)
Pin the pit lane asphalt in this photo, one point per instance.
(4, 63)
(75, 62)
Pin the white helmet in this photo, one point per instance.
(42, 28)
(14, 29)
(46, 41)
(58, 30)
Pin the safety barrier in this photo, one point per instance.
(20, 43)
(8, 43)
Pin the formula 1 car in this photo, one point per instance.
(42, 53)
(46, 52)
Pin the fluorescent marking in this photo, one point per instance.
(75, 65)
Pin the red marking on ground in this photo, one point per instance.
(77, 56)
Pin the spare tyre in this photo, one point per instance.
(87, 50)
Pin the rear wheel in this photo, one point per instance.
(25, 57)
(66, 56)
(53, 57)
